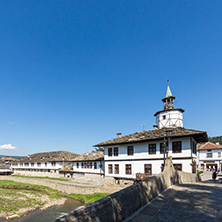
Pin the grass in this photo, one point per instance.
(25, 186)
(49, 178)
(12, 200)
(15, 195)
(89, 198)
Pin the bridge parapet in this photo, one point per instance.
(120, 205)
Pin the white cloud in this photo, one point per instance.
(7, 147)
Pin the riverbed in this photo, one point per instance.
(50, 214)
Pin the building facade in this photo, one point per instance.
(89, 163)
(145, 152)
(43, 164)
(209, 156)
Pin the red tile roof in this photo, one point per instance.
(210, 146)
(7, 158)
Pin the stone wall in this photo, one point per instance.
(120, 205)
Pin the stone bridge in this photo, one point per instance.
(169, 196)
(184, 202)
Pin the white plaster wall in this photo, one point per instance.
(98, 170)
(42, 166)
(138, 167)
(141, 156)
(141, 150)
(203, 155)
(203, 159)
(174, 118)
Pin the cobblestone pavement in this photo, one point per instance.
(185, 202)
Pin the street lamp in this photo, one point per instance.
(166, 144)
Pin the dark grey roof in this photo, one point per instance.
(49, 156)
(5, 166)
(149, 135)
(67, 168)
(167, 110)
(94, 155)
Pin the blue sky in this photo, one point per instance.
(74, 73)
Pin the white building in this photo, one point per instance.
(209, 156)
(43, 164)
(89, 163)
(145, 152)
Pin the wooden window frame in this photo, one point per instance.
(209, 155)
(152, 148)
(110, 168)
(110, 151)
(130, 150)
(161, 148)
(176, 145)
(128, 169)
(148, 168)
(178, 166)
(116, 151)
(116, 168)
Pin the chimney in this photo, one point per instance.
(119, 135)
(155, 127)
(217, 143)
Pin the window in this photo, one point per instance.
(82, 164)
(177, 147)
(130, 150)
(161, 147)
(87, 165)
(77, 165)
(21, 164)
(38, 164)
(178, 167)
(45, 164)
(110, 151)
(32, 164)
(209, 155)
(219, 154)
(53, 163)
(128, 169)
(116, 151)
(194, 147)
(90, 165)
(148, 168)
(110, 168)
(27, 164)
(164, 116)
(116, 168)
(95, 165)
(152, 148)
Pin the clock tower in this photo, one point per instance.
(170, 116)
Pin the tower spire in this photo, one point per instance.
(168, 91)
(169, 116)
